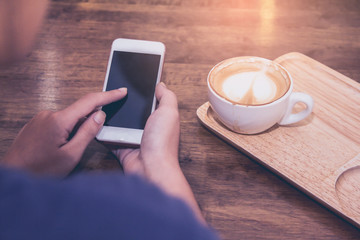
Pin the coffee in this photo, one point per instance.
(251, 94)
(248, 82)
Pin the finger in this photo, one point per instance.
(121, 154)
(87, 104)
(129, 159)
(165, 97)
(87, 132)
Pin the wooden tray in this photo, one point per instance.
(321, 154)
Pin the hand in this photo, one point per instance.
(160, 141)
(157, 157)
(44, 144)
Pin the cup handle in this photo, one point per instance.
(295, 97)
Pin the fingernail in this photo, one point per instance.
(123, 89)
(163, 84)
(99, 117)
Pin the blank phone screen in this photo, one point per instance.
(138, 73)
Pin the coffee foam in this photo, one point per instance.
(249, 83)
(249, 88)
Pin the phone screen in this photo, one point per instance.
(138, 73)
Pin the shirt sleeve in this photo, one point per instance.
(92, 206)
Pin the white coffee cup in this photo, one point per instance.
(244, 116)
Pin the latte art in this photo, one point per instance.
(249, 95)
(249, 83)
(249, 88)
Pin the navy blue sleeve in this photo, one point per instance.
(92, 206)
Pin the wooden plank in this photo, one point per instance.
(320, 155)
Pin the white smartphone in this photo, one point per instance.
(136, 65)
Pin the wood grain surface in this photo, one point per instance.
(239, 198)
(328, 174)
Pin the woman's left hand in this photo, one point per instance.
(44, 144)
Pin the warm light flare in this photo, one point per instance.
(267, 13)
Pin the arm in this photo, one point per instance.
(92, 206)
(44, 146)
(157, 157)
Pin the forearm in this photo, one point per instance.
(172, 180)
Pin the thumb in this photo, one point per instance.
(165, 96)
(87, 132)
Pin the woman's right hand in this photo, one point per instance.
(160, 141)
(157, 157)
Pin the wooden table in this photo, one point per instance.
(238, 197)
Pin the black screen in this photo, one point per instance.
(138, 73)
